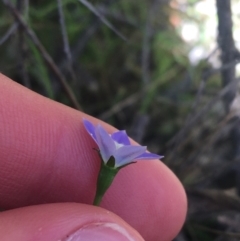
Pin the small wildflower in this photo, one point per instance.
(115, 151)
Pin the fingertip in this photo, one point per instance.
(65, 222)
(155, 194)
(47, 157)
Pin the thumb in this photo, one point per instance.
(64, 222)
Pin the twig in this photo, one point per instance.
(179, 136)
(205, 77)
(146, 49)
(9, 33)
(102, 18)
(136, 96)
(87, 34)
(227, 47)
(22, 7)
(141, 120)
(216, 196)
(117, 16)
(210, 230)
(116, 108)
(67, 50)
(83, 40)
(44, 53)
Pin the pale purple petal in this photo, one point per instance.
(121, 137)
(105, 143)
(127, 154)
(148, 156)
(90, 129)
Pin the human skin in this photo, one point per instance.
(48, 173)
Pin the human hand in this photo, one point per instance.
(48, 174)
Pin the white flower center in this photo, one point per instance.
(118, 145)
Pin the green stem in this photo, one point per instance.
(105, 179)
(97, 200)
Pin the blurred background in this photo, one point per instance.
(167, 71)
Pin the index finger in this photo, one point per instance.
(46, 156)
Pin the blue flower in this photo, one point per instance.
(117, 146)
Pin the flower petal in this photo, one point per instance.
(127, 154)
(90, 129)
(148, 156)
(105, 143)
(121, 137)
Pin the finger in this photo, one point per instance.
(65, 222)
(46, 156)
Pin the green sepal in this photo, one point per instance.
(105, 178)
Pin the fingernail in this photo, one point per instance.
(103, 232)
